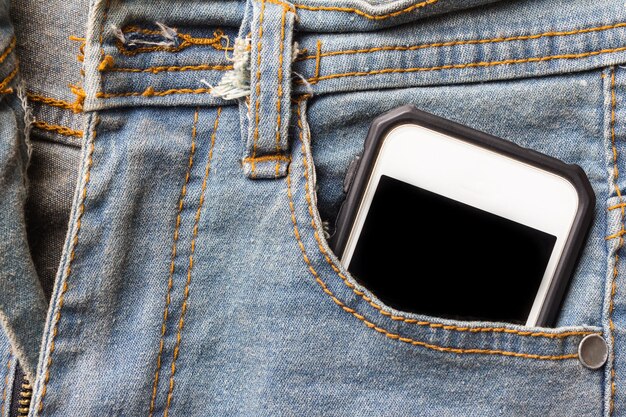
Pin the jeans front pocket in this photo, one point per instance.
(434, 366)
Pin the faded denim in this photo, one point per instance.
(196, 278)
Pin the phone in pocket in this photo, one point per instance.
(443, 220)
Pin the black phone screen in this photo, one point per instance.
(425, 253)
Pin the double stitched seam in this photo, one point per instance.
(266, 158)
(471, 64)
(364, 14)
(6, 384)
(81, 210)
(61, 130)
(279, 96)
(620, 244)
(466, 42)
(151, 92)
(68, 270)
(362, 295)
(174, 68)
(181, 321)
(257, 104)
(170, 280)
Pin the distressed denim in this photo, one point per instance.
(195, 278)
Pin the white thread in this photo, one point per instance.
(236, 82)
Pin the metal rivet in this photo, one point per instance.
(593, 351)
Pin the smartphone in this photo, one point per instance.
(443, 220)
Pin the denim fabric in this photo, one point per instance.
(22, 305)
(196, 278)
(48, 43)
(51, 174)
(8, 363)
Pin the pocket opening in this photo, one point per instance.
(386, 320)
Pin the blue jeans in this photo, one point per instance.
(196, 278)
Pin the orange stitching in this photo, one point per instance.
(187, 41)
(181, 322)
(620, 243)
(50, 101)
(414, 321)
(156, 70)
(150, 92)
(300, 98)
(202, 41)
(619, 233)
(81, 56)
(76, 107)
(281, 50)
(267, 158)
(616, 206)
(79, 92)
(8, 50)
(68, 270)
(467, 42)
(6, 384)
(75, 239)
(145, 31)
(7, 80)
(286, 6)
(393, 336)
(367, 15)
(255, 136)
(170, 280)
(61, 130)
(106, 63)
(473, 64)
(317, 56)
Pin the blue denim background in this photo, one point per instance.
(189, 286)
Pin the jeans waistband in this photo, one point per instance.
(132, 59)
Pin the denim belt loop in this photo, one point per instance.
(269, 105)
